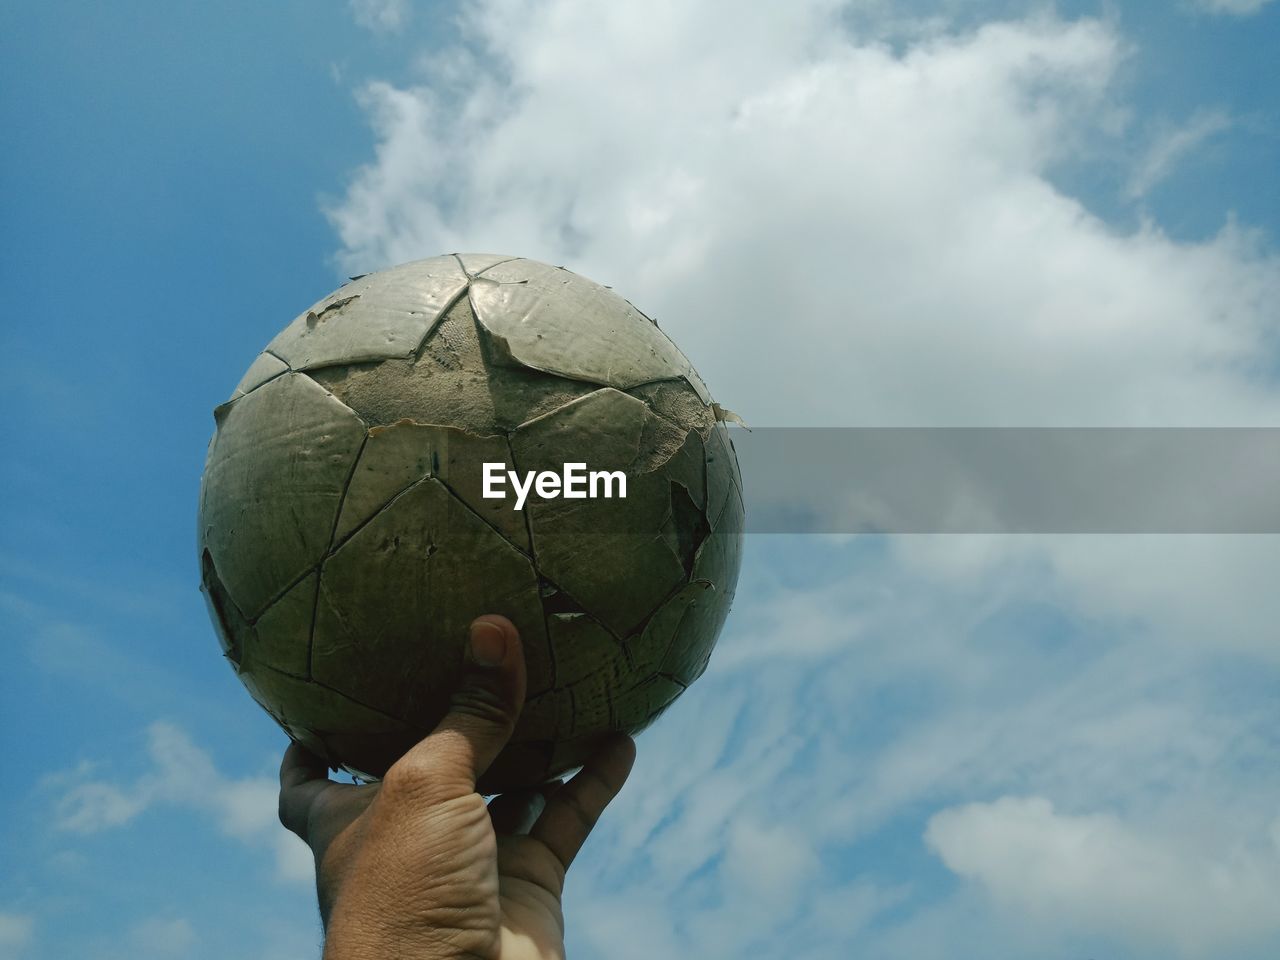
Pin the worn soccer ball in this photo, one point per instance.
(349, 530)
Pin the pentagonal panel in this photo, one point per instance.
(551, 319)
(397, 455)
(274, 478)
(381, 315)
(450, 383)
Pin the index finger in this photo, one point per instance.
(301, 766)
(573, 809)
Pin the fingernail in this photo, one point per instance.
(488, 643)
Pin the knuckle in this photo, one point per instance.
(416, 782)
(548, 873)
(407, 776)
(484, 704)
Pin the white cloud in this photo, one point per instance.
(1098, 872)
(770, 863)
(91, 806)
(16, 931)
(762, 804)
(162, 937)
(381, 16)
(873, 234)
(1211, 591)
(1241, 8)
(866, 221)
(1171, 146)
(183, 775)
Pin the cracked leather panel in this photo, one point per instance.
(404, 589)
(450, 382)
(346, 544)
(577, 540)
(275, 476)
(550, 319)
(379, 315)
(266, 366)
(404, 452)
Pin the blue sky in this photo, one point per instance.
(867, 214)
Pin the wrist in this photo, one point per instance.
(342, 943)
(364, 937)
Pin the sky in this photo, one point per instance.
(926, 213)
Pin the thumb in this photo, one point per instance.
(481, 717)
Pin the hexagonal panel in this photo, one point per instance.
(577, 542)
(276, 471)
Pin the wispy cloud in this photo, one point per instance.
(1241, 8)
(764, 802)
(844, 229)
(381, 16)
(162, 937)
(820, 209)
(1170, 147)
(182, 775)
(16, 933)
(1098, 872)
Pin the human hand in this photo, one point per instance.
(418, 866)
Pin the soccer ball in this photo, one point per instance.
(358, 510)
